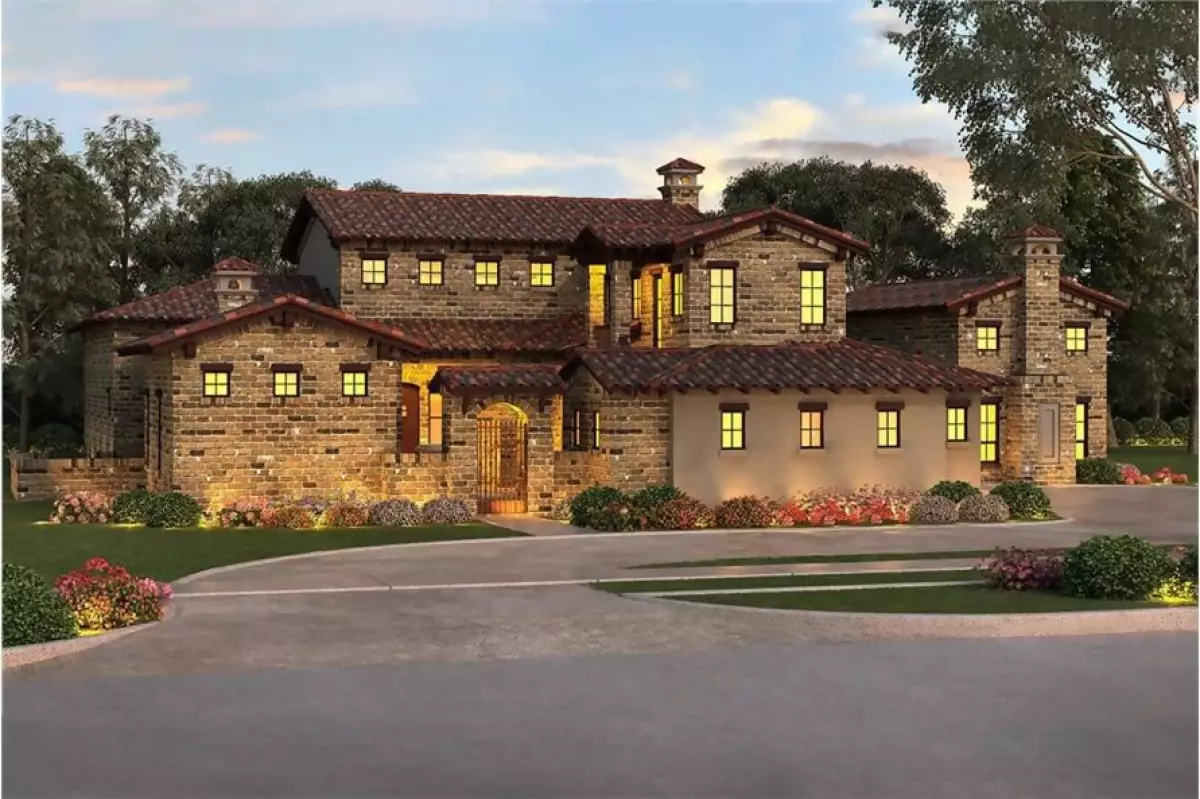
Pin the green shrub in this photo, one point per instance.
(682, 513)
(1116, 567)
(592, 500)
(744, 513)
(651, 498)
(1125, 431)
(1186, 565)
(1153, 432)
(933, 509)
(983, 509)
(954, 490)
(619, 516)
(1180, 427)
(34, 613)
(1024, 500)
(171, 509)
(131, 507)
(1098, 471)
(54, 440)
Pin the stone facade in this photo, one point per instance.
(113, 405)
(42, 479)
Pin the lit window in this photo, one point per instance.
(989, 428)
(887, 429)
(721, 295)
(435, 419)
(487, 273)
(677, 293)
(956, 424)
(733, 429)
(541, 273)
(812, 296)
(597, 295)
(596, 430)
(812, 429)
(430, 273)
(577, 430)
(216, 384)
(987, 338)
(287, 383)
(637, 298)
(1081, 432)
(1077, 338)
(354, 384)
(374, 271)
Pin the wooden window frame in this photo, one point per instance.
(535, 274)
(678, 294)
(989, 431)
(372, 258)
(596, 430)
(994, 338)
(435, 421)
(1082, 330)
(808, 269)
(635, 290)
(427, 275)
(491, 277)
(729, 412)
(225, 369)
(286, 369)
(723, 268)
(956, 425)
(885, 413)
(356, 369)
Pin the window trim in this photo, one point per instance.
(1085, 403)
(987, 325)
(363, 369)
(216, 368)
(890, 407)
(822, 267)
(431, 258)
(954, 425)
(994, 404)
(1068, 327)
(819, 409)
(732, 268)
(363, 258)
(481, 260)
(737, 410)
(533, 262)
(678, 293)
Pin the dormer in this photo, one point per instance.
(681, 182)
(234, 283)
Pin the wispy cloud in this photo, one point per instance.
(230, 136)
(171, 110)
(145, 88)
(363, 92)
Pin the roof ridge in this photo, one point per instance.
(565, 197)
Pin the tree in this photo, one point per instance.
(375, 184)
(897, 209)
(57, 230)
(127, 159)
(1034, 81)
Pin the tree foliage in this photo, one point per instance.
(375, 184)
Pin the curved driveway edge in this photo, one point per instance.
(16, 656)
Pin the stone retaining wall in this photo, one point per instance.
(42, 479)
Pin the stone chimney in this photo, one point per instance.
(234, 283)
(1036, 253)
(679, 182)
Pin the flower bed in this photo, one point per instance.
(105, 597)
(1132, 475)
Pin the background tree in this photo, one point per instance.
(898, 209)
(375, 184)
(127, 159)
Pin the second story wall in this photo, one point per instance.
(1000, 319)
(930, 332)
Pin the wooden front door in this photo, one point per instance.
(502, 464)
(410, 417)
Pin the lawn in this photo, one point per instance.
(1150, 459)
(937, 599)
(170, 554)
(782, 581)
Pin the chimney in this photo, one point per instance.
(234, 283)
(1037, 256)
(679, 182)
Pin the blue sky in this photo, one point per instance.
(579, 97)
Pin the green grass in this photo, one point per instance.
(781, 581)
(936, 599)
(1150, 459)
(170, 554)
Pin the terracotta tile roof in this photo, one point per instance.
(463, 336)
(498, 379)
(182, 333)
(197, 300)
(632, 236)
(413, 216)
(956, 292)
(834, 366)
(235, 265)
(1035, 232)
(679, 163)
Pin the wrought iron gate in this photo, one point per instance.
(502, 471)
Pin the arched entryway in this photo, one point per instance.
(503, 470)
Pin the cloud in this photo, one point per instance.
(171, 110)
(854, 100)
(366, 92)
(123, 87)
(230, 136)
(924, 114)
(679, 80)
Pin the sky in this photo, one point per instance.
(566, 97)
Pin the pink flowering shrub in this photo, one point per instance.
(681, 513)
(832, 506)
(1023, 569)
(1132, 475)
(104, 597)
(744, 512)
(346, 514)
(295, 517)
(82, 507)
(244, 512)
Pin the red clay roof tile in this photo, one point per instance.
(235, 265)
(1035, 232)
(498, 379)
(956, 292)
(464, 336)
(680, 164)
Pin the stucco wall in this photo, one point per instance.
(773, 464)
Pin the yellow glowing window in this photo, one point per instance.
(887, 429)
(216, 384)
(487, 273)
(721, 282)
(287, 384)
(541, 273)
(989, 429)
(733, 429)
(956, 424)
(1081, 437)
(597, 294)
(812, 429)
(374, 271)
(637, 297)
(677, 294)
(596, 430)
(1076, 338)
(577, 429)
(812, 296)
(429, 273)
(987, 338)
(435, 419)
(354, 384)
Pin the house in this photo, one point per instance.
(514, 350)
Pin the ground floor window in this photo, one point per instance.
(887, 428)
(733, 427)
(989, 433)
(956, 424)
(1081, 431)
(435, 419)
(812, 426)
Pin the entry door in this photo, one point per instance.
(410, 417)
(656, 335)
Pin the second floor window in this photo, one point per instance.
(216, 383)
(721, 295)
(1077, 338)
(637, 298)
(374, 270)
(812, 296)
(597, 295)
(354, 383)
(677, 294)
(596, 430)
(429, 272)
(487, 273)
(987, 337)
(541, 274)
(287, 382)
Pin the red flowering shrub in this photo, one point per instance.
(682, 513)
(105, 597)
(82, 507)
(744, 512)
(1165, 476)
(1023, 569)
(245, 512)
(1132, 475)
(863, 506)
(296, 517)
(346, 514)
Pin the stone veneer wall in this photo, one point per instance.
(929, 333)
(43, 479)
(113, 403)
